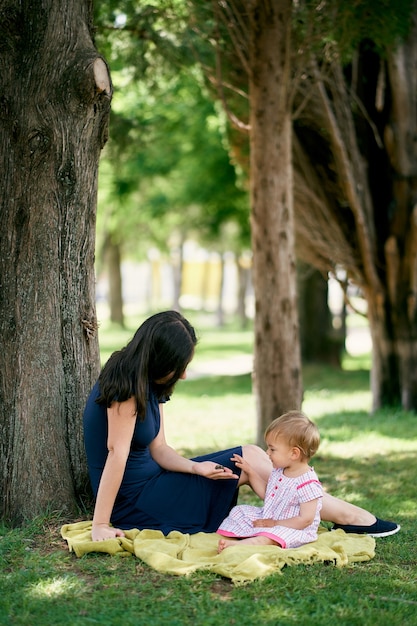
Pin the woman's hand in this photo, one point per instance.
(100, 532)
(208, 469)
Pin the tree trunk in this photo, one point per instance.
(220, 301)
(393, 319)
(393, 324)
(277, 362)
(177, 257)
(54, 105)
(320, 342)
(113, 257)
(244, 280)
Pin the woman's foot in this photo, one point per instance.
(380, 528)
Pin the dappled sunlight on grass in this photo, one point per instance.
(366, 445)
(324, 402)
(54, 587)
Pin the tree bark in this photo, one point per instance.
(54, 105)
(277, 361)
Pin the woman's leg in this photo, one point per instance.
(353, 519)
(341, 512)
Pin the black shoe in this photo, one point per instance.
(379, 529)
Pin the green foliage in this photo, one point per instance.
(384, 22)
(166, 167)
(140, 36)
(166, 172)
(347, 25)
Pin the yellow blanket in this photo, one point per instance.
(183, 554)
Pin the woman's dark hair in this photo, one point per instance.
(163, 345)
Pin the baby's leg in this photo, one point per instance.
(252, 541)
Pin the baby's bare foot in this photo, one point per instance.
(225, 543)
(221, 545)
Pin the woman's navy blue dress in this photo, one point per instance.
(149, 496)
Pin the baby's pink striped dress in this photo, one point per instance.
(282, 500)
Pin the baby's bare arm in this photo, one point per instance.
(257, 483)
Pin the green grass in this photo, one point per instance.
(370, 460)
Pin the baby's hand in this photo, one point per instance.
(264, 523)
(241, 463)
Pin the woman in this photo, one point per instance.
(138, 480)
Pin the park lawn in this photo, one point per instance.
(368, 459)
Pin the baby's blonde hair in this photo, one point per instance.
(298, 430)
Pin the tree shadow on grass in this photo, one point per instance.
(217, 386)
(316, 379)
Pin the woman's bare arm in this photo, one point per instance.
(121, 417)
